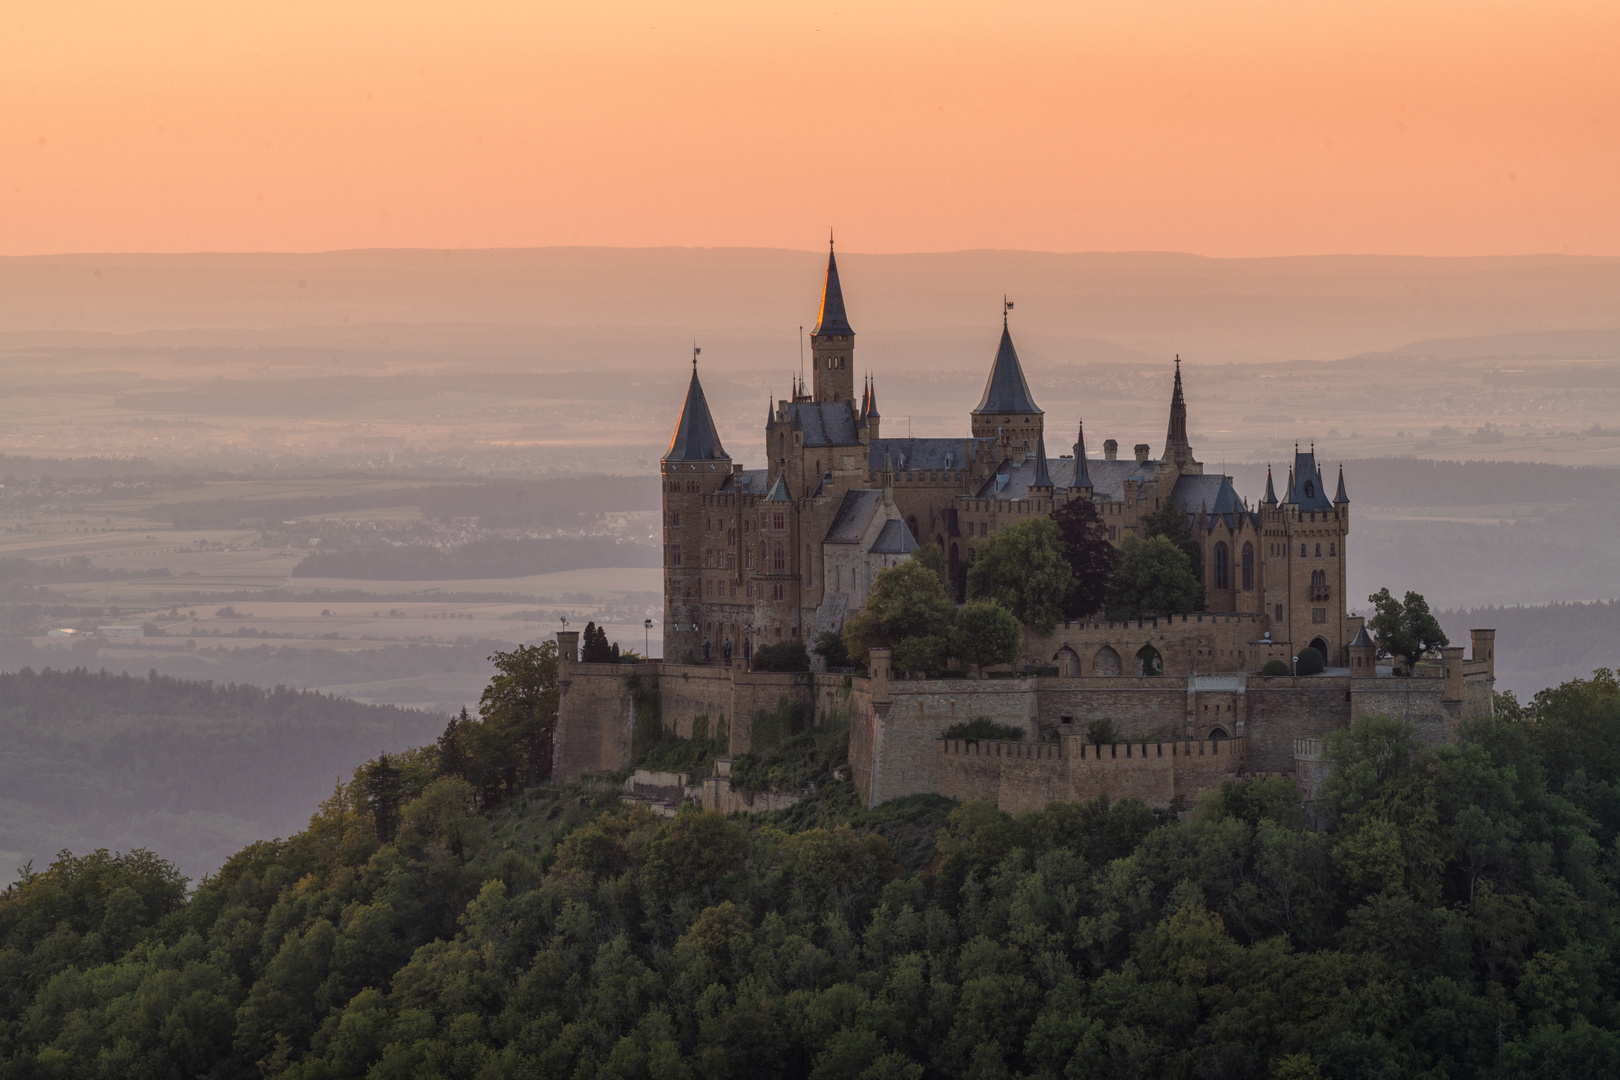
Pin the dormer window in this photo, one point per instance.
(1310, 490)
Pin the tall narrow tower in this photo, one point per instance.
(832, 342)
(693, 468)
(1007, 413)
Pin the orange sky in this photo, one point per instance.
(1223, 128)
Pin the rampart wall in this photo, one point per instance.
(1021, 776)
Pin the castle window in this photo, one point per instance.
(708, 557)
(1222, 567)
(807, 562)
(984, 528)
(748, 559)
(674, 555)
(1333, 549)
(1319, 585)
(779, 521)
(1318, 551)
(779, 560)
(1279, 613)
(674, 519)
(708, 589)
(1302, 551)
(778, 592)
(1248, 567)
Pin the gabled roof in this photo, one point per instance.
(854, 514)
(825, 423)
(895, 539)
(1005, 391)
(1213, 494)
(833, 320)
(695, 437)
(1306, 492)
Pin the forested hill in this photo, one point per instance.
(91, 759)
(1450, 912)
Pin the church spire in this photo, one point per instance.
(1271, 492)
(833, 320)
(1176, 446)
(1341, 498)
(1082, 473)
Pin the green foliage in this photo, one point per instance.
(1404, 629)
(1152, 577)
(1309, 662)
(788, 655)
(771, 726)
(1102, 732)
(829, 645)
(1454, 915)
(1170, 522)
(671, 753)
(1089, 554)
(793, 762)
(1273, 668)
(1023, 568)
(905, 601)
(594, 647)
(983, 727)
(508, 747)
(987, 633)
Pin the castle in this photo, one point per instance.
(754, 557)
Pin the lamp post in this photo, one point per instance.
(646, 639)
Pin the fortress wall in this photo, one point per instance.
(1024, 776)
(594, 719)
(1014, 776)
(1205, 642)
(1138, 706)
(1417, 701)
(1479, 689)
(863, 723)
(762, 691)
(904, 760)
(687, 691)
(1286, 708)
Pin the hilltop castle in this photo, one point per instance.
(755, 556)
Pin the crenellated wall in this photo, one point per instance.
(1023, 776)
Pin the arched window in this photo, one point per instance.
(1302, 551)
(1148, 661)
(1223, 567)
(1318, 551)
(1248, 567)
(1106, 662)
(779, 560)
(1333, 549)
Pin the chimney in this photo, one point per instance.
(1142, 450)
(1111, 450)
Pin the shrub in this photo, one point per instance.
(983, 727)
(1310, 662)
(782, 656)
(1274, 667)
(1102, 732)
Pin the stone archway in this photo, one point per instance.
(1217, 734)
(1321, 646)
(1068, 663)
(1106, 662)
(1148, 661)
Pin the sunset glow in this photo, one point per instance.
(1224, 129)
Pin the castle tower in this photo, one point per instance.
(1177, 448)
(832, 342)
(1305, 587)
(1007, 412)
(695, 466)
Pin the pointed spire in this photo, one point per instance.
(1082, 472)
(1175, 437)
(866, 396)
(833, 320)
(871, 408)
(695, 437)
(1005, 391)
(1289, 495)
(1043, 478)
(1341, 498)
(1271, 492)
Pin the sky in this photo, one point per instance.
(1221, 128)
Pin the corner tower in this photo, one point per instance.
(1007, 413)
(832, 342)
(693, 468)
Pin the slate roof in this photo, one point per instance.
(895, 539)
(833, 320)
(1110, 477)
(779, 492)
(1214, 494)
(1363, 639)
(1005, 391)
(824, 423)
(1043, 475)
(854, 514)
(747, 482)
(1271, 493)
(1082, 477)
(1307, 491)
(695, 437)
(917, 453)
(1341, 497)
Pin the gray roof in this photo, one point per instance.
(1363, 639)
(1005, 391)
(917, 453)
(824, 423)
(747, 482)
(695, 438)
(1341, 497)
(854, 514)
(1081, 477)
(779, 492)
(1043, 475)
(1209, 492)
(832, 320)
(1271, 493)
(1110, 477)
(895, 539)
(1307, 491)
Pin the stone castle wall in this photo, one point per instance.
(1022, 776)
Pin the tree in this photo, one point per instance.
(1309, 662)
(520, 707)
(905, 601)
(986, 633)
(453, 747)
(1089, 554)
(829, 645)
(787, 655)
(1151, 577)
(1023, 568)
(594, 647)
(381, 785)
(1405, 629)
(1170, 522)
